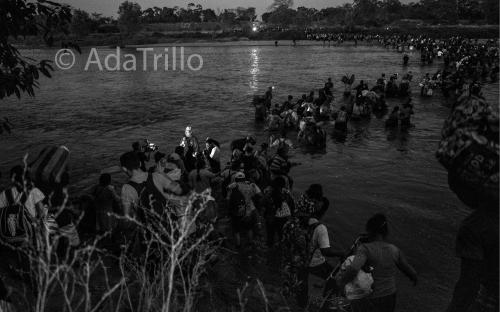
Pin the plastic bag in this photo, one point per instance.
(360, 286)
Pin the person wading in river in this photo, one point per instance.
(386, 259)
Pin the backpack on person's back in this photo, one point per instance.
(297, 240)
(296, 254)
(152, 203)
(237, 203)
(15, 222)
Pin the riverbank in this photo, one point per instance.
(148, 37)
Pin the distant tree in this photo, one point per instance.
(283, 16)
(102, 24)
(265, 17)
(333, 15)
(197, 13)
(81, 23)
(168, 15)
(439, 11)
(129, 16)
(305, 16)
(490, 9)
(209, 15)
(228, 17)
(348, 15)
(366, 12)
(190, 15)
(470, 10)
(392, 10)
(280, 4)
(19, 19)
(148, 15)
(246, 14)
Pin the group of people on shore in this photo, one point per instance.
(255, 192)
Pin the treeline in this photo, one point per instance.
(369, 13)
(379, 13)
(131, 16)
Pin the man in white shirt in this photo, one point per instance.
(320, 248)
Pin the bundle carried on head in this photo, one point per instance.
(50, 166)
(469, 150)
(348, 80)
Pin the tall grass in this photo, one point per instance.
(163, 276)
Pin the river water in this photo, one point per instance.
(99, 114)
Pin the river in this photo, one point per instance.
(99, 114)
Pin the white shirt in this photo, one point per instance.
(35, 196)
(215, 153)
(319, 240)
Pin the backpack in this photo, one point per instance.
(296, 242)
(310, 232)
(15, 222)
(150, 199)
(237, 203)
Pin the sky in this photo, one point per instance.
(110, 7)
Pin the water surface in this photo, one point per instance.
(99, 114)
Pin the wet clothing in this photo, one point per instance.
(385, 259)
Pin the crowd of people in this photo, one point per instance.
(255, 190)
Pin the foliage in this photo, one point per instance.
(490, 9)
(19, 19)
(384, 12)
(129, 16)
(277, 4)
(163, 275)
(81, 23)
